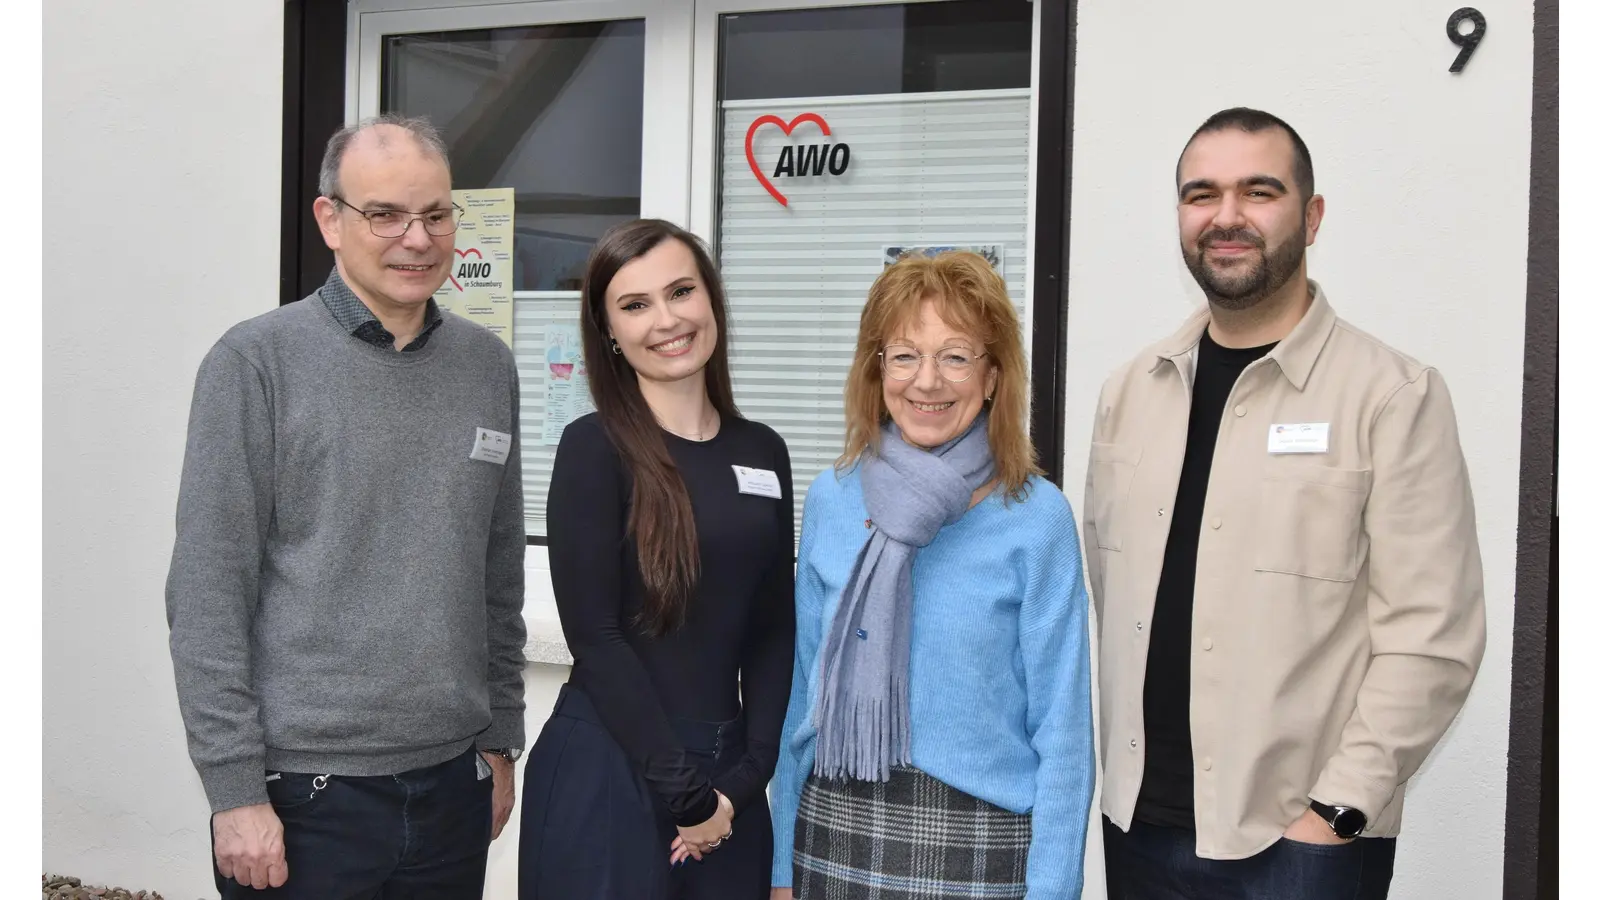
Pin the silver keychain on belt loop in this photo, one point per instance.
(318, 784)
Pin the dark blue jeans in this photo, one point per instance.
(419, 835)
(1150, 862)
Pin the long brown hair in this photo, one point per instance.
(970, 296)
(660, 518)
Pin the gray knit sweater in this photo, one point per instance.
(346, 587)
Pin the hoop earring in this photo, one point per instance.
(614, 348)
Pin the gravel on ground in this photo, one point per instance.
(66, 887)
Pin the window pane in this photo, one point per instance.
(555, 111)
(900, 146)
(962, 45)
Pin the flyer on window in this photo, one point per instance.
(994, 253)
(566, 381)
(479, 284)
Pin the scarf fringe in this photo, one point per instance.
(876, 736)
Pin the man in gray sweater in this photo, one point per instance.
(345, 597)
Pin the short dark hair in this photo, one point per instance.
(1250, 121)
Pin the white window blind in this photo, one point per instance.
(532, 311)
(948, 169)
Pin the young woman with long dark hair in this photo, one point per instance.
(671, 554)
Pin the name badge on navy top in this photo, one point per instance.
(491, 446)
(1309, 437)
(760, 482)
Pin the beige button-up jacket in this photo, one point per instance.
(1338, 609)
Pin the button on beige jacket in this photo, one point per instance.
(1338, 610)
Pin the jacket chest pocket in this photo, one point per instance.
(1111, 471)
(1310, 522)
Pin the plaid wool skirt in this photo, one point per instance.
(910, 838)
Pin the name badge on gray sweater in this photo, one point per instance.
(491, 446)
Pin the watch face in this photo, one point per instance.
(1348, 822)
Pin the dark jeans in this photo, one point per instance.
(419, 835)
(1151, 862)
(592, 828)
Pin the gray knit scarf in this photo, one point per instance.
(863, 713)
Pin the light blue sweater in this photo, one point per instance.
(999, 665)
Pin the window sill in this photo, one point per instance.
(545, 644)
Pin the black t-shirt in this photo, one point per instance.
(739, 623)
(1166, 794)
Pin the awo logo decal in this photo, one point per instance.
(473, 271)
(806, 160)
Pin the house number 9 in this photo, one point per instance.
(1467, 41)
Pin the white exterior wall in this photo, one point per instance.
(161, 162)
(161, 180)
(1424, 245)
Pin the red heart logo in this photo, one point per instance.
(463, 255)
(788, 128)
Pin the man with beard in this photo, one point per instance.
(1281, 543)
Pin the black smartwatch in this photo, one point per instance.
(510, 754)
(1346, 821)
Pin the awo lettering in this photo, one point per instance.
(470, 271)
(811, 160)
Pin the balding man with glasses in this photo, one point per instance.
(345, 595)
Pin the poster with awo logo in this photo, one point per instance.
(479, 285)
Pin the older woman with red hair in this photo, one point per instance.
(939, 740)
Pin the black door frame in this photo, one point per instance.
(1058, 50)
(314, 38)
(1531, 772)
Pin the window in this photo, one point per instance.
(848, 136)
(557, 113)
